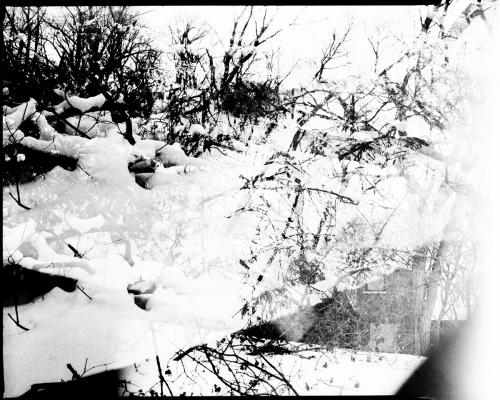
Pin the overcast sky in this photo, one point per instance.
(302, 42)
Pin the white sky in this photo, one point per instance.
(302, 42)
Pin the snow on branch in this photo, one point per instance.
(24, 239)
(14, 237)
(47, 132)
(92, 124)
(79, 224)
(65, 145)
(18, 115)
(80, 103)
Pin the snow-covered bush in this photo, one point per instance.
(253, 100)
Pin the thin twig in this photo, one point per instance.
(75, 251)
(19, 202)
(17, 323)
(83, 291)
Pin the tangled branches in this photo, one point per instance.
(241, 365)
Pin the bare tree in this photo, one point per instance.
(27, 68)
(103, 48)
(332, 53)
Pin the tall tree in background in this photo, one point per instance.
(103, 48)
(27, 68)
(84, 51)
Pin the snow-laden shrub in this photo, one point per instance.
(253, 100)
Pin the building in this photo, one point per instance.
(377, 316)
(385, 309)
(386, 314)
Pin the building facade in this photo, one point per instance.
(385, 312)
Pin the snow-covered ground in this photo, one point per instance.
(183, 237)
(197, 291)
(109, 332)
(186, 238)
(310, 372)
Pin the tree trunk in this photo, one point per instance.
(425, 290)
(432, 291)
(418, 290)
(28, 42)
